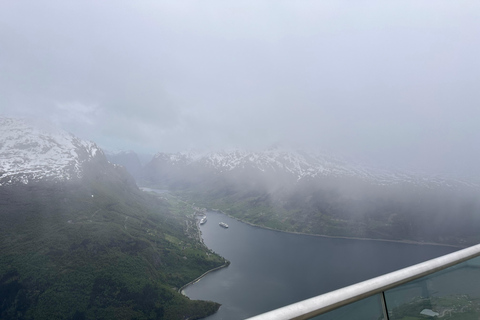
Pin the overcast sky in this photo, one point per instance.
(397, 82)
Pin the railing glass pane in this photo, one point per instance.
(365, 309)
(453, 293)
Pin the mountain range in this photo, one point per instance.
(297, 165)
(305, 192)
(80, 240)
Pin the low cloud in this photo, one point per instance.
(392, 83)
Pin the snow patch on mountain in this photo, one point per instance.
(33, 151)
(301, 165)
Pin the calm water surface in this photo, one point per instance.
(270, 269)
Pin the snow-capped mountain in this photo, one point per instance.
(314, 193)
(298, 165)
(31, 151)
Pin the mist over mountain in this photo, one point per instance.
(321, 194)
(79, 240)
(296, 165)
(279, 187)
(128, 159)
(391, 86)
(381, 86)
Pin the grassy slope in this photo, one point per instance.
(117, 255)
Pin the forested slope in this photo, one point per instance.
(97, 248)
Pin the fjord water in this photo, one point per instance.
(270, 269)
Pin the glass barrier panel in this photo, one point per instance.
(366, 309)
(453, 293)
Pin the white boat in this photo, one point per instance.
(223, 224)
(203, 220)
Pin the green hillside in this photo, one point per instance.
(97, 248)
(437, 216)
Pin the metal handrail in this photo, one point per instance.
(332, 300)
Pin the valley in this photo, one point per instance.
(185, 160)
(297, 192)
(80, 240)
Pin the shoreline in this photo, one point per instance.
(343, 237)
(334, 237)
(199, 234)
(226, 264)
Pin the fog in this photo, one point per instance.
(388, 83)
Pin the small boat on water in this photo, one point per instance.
(223, 224)
(203, 220)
